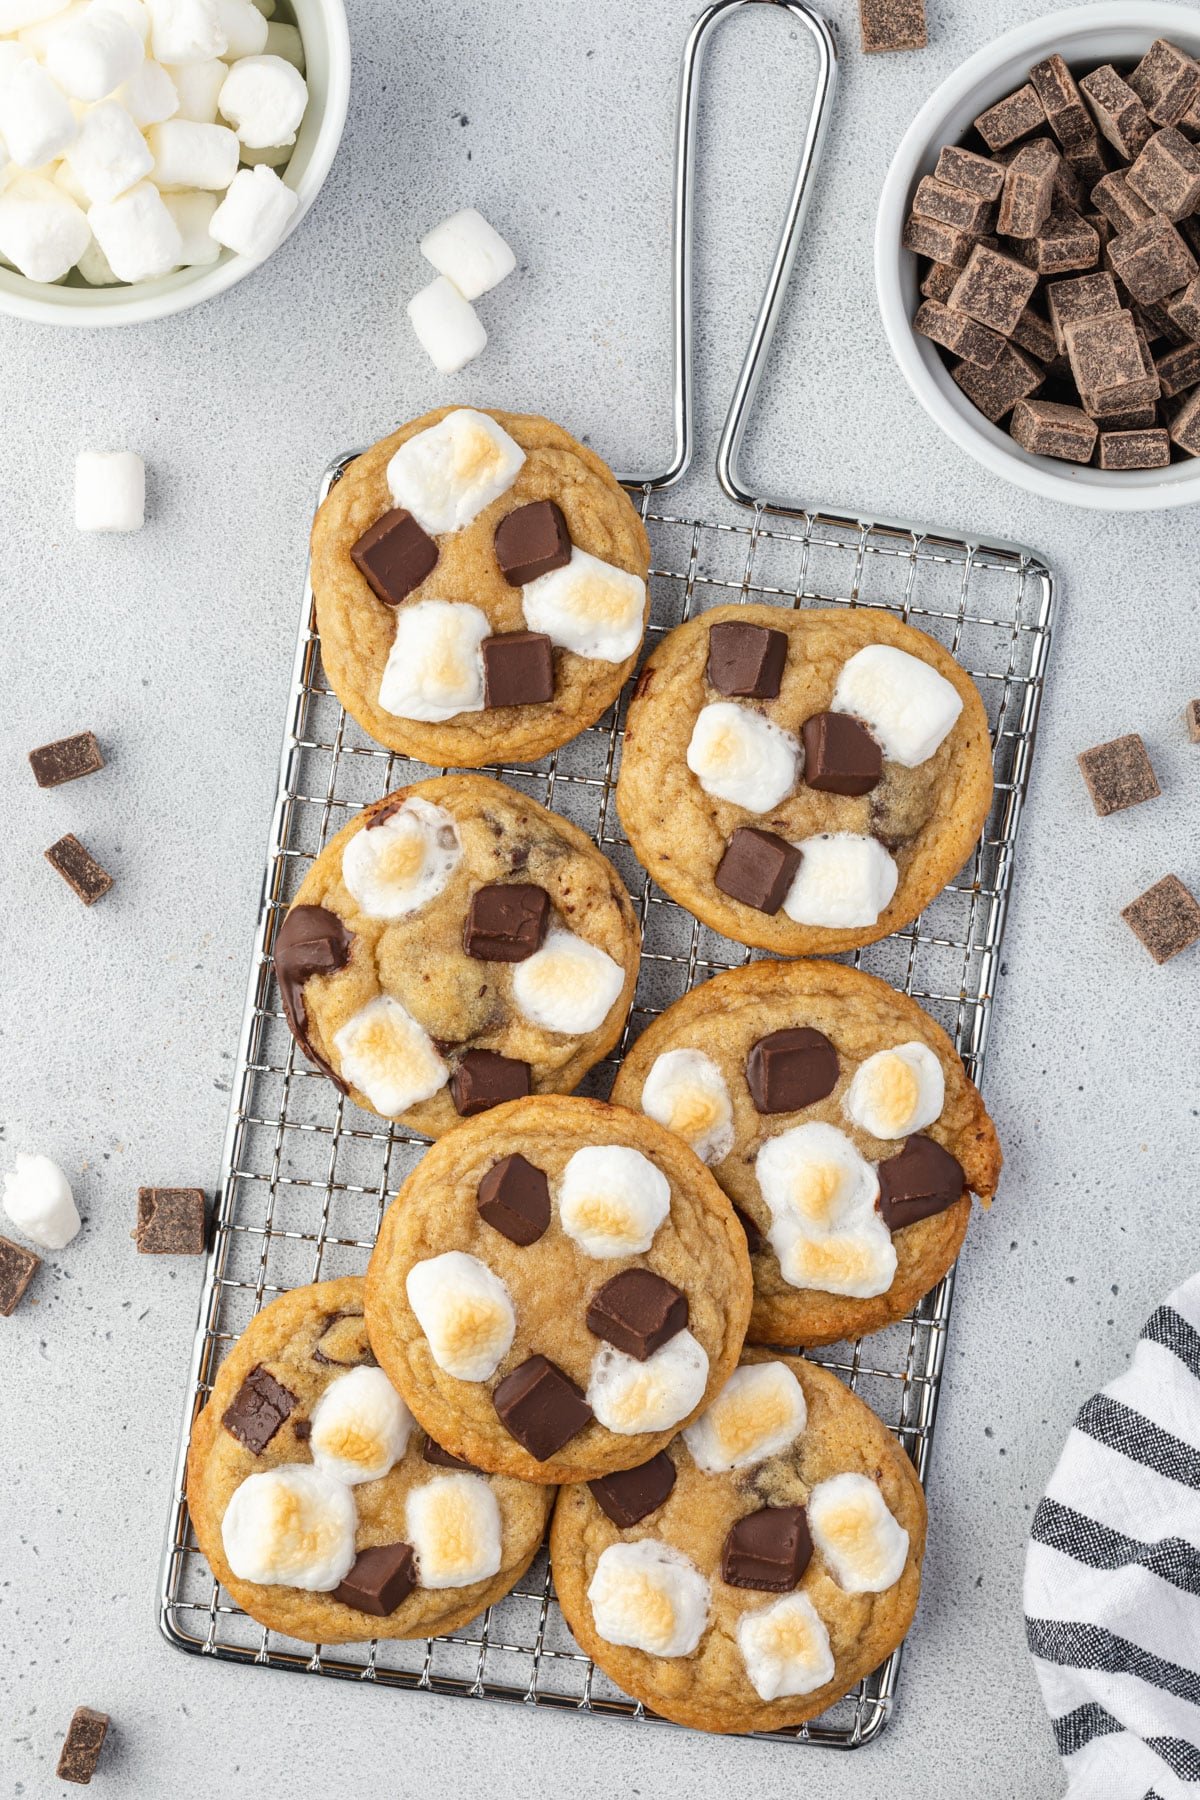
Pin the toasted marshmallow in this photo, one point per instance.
(738, 755)
(434, 669)
(453, 1525)
(857, 1534)
(649, 1596)
(291, 1527)
(568, 985)
(844, 880)
(905, 704)
(785, 1648)
(814, 1174)
(628, 1396)
(612, 1200)
(858, 1263)
(896, 1092)
(759, 1412)
(686, 1092)
(588, 606)
(399, 865)
(360, 1426)
(447, 474)
(39, 1201)
(464, 1310)
(389, 1057)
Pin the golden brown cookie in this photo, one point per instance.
(358, 629)
(455, 945)
(715, 1055)
(552, 1265)
(763, 1591)
(875, 846)
(419, 1548)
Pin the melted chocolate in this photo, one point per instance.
(311, 941)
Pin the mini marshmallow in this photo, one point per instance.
(785, 1647)
(360, 1427)
(434, 669)
(588, 606)
(95, 267)
(149, 96)
(137, 233)
(738, 755)
(263, 98)
(42, 232)
(628, 1396)
(192, 213)
(448, 473)
(844, 881)
(11, 57)
(856, 1533)
(292, 1526)
(15, 15)
(686, 1092)
(65, 178)
(469, 252)
(759, 1412)
(34, 38)
(814, 1174)
(285, 41)
(36, 122)
(254, 215)
(185, 31)
(904, 703)
(188, 155)
(94, 54)
(109, 154)
(386, 1055)
(244, 26)
(134, 14)
(568, 985)
(453, 1524)
(399, 865)
(448, 328)
(649, 1596)
(39, 1201)
(110, 491)
(197, 86)
(465, 1311)
(896, 1092)
(612, 1200)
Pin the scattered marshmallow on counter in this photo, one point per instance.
(39, 1201)
(255, 212)
(448, 328)
(263, 98)
(110, 491)
(471, 257)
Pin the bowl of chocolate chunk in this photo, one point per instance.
(1037, 256)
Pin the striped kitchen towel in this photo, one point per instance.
(1112, 1577)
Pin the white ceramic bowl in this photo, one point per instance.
(326, 38)
(1085, 36)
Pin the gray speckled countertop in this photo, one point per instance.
(119, 1024)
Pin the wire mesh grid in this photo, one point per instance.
(306, 1176)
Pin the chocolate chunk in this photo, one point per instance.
(964, 169)
(79, 870)
(840, 755)
(514, 1198)
(1191, 718)
(1028, 189)
(1061, 243)
(922, 1180)
(993, 288)
(1118, 112)
(1120, 205)
(302, 1429)
(758, 868)
(18, 1267)
(82, 1746)
(541, 1407)
(637, 1311)
(1178, 369)
(1118, 774)
(1185, 425)
(66, 760)
(959, 332)
(1104, 353)
(395, 556)
(1086, 160)
(955, 206)
(1061, 100)
(1183, 309)
(380, 1580)
(941, 243)
(754, 1237)
(789, 1069)
(344, 1343)
(631, 1495)
(311, 941)
(939, 281)
(1151, 259)
(258, 1409)
(768, 1550)
(996, 391)
(1166, 81)
(506, 921)
(432, 1452)
(1166, 174)
(1087, 297)
(1142, 449)
(518, 669)
(746, 660)
(892, 24)
(1033, 333)
(170, 1221)
(1011, 118)
(1045, 428)
(1166, 918)
(531, 541)
(484, 1078)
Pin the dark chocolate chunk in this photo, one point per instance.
(1045, 428)
(996, 391)
(993, 288)
(380, 1580)
(18, 1267)
(1191, 718)
(746, 660)
(1166, 174)
(791, 1068)
(514, 1198)
(506, 921)
(484, 1078)
(754, 1237)
(66, 760)
(1062, 103)
(758, 868)
(638, 1312)
(531, 541)
(959, 332)
(311, 941)
(343, 1344)
(1118, 774)
(1151, 259)
(892, 24)
(768, 1550)
(1166, 918)
(82, 1746)
(258, 1409)
(302, 1429)
(170, 1221)
(1117, 111)
(1166, 81)
(518, 669)
(541, 1407)
(1185, 425)
(965, 169)
(949, 205)
(1011, 118)
(941, 243)
(395, 556)
(922, 1180)
(79, 870)
(432, 1452)
(840, 755)
(1028, 189)
(631, 1495)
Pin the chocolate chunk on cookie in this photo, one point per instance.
(746, 661)
(380, 1580)
(768, 1549)
(541, 1407)
(394, 556)
(631, 1495)
(531, 541)
(514, 1198)
(506, 921)
(922, 1180)
(258, 1409)
(758, 868)
(792, 1068)
(637, 1311)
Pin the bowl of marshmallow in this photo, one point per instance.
(153, 152)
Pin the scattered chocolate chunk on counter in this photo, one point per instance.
(18, 1267)
(67, 759)
(892, 24)
(82, 1746)
(170, 1221)
(1166, 918)
(79, 869)
(1191, 718)
(1118, 774)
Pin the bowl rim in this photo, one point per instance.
(926, 374)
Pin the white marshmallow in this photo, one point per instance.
(36, 121)
(244, 26)
(110, 491)
(824, 1226)
(453, 1524)
(568, 985)
(465, 1311)
(93, 55)
(12, 55)
(398, 865)
(275, 156)
(759, 1412)
(434, 669)
(844, 881)
(95, 267)
(649, 1596)
(39, 1201)
(192, 213)
(149, 96)
(785, 1647)
(197, 86)
(42, 232)
(137, 233)
(263, 98)
(285, 41)
(360, 1427)
(447, 474)
(588, 606)
(65, 178)
(448, 328)
(896, 1092)
(34, 38)
(386, 1055)
(904, 703)
(109, 154)
(15, 15)
(134, 14)
(469, 252)
(185, 31)
(254, 215)
(612, 1200)
(859, 1262)
(685, 1091)
(857, 1534)
(628, 1396)
(738, 755)
(188, 155)
(291, 1526)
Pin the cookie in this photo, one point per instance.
(557, 1287)
(306, 1463)
(767, 1561)
(480, 584)
(453, 946)
(841, 1123)
(804, 781)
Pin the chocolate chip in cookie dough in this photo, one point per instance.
(380, 1579)
(343, 1343)
(432, 1452)
(311, 941)
(746, 660)
(170, 1221)
(791, 1068)
(514, 1199)
(82, 1746)
(518, 669)
(506, 921)
(395, 556)
(631, 1495)
(768, 1550)
(754, 1237)
(66, 760)
(484, 1078)
(922, 1180)
(79, 869)
(531, 541)
(541, 1407)
(258, 1409)
(637, 1311)
(758, 868)
(840, 755)
(18, 1267)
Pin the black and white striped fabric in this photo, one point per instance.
(1112, 1578)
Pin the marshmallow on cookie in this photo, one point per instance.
(825, 1228)
(844, 880)
(649, 1596)
(588, 606)
(465, 1312)
(759, 1412)
(401, 860)
(896, 1092)
(686, 1092)
(568, 985)
(630, 1395)
(292, 1526)
(741, 756)
(445, 475)
(384, 1053)
(785, 1647)
(612, 1200)
(907, 706)
(360, 1427)
(854, 1530)
(453, 1525)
